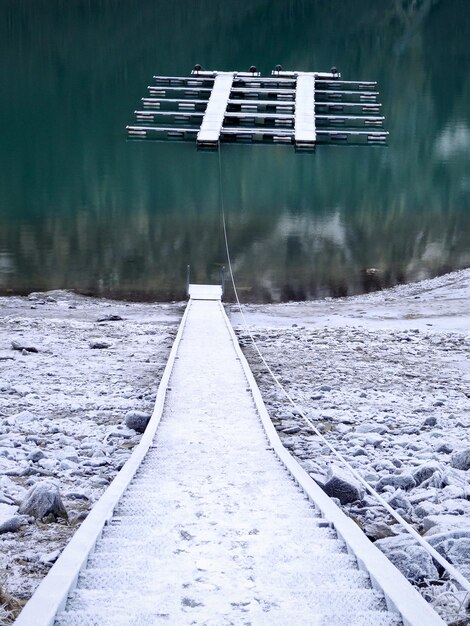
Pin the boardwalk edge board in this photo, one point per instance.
(51, 595)
(299, 108)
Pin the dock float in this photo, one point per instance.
(302, 109)
(305, 134)
(212, 521)
(209, 133)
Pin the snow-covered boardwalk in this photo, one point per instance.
(213, 530)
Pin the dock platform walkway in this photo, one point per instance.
(212, 529)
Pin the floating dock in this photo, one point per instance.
(298, 108)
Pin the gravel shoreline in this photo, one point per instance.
(65, 391)
(386, 378)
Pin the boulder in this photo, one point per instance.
(110, 318)
(461, 460)
(409, 557)
(137, 420)
(342, 486)
(400, 503)
(431, 420)
(18, 345)
(96, 344)
(454, 546)
(368, 427)
(12, 524)
(427, 509)
(443, 523)
(425, 471)
(43, 500)
(378, 530)
(403, 481)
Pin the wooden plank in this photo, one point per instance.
(305, 135)
(209, 132)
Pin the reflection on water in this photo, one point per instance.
(82, 208)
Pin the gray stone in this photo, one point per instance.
(12, 524)
(441, 523)
(110, 318)
(426, 509)
(340, 485)
(373, 439)
(445, 448)
(291, 430)
(403, 481)
(378, 530)
(371, 428)
(431, 420)
(454, 546)
(400, 503)
(17, 345)
(50, 557)
(43, 500)
(358, 451)
(425, 471)
(137, 420)
(461, 460)
(96, 344)
(409, 557)
(35, 455)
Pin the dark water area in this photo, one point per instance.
(82, 208)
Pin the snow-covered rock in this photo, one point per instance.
(342, 486)
(409, 557)
(425, 471)
(137, 420)
(442, 523)
(400, 503)
(454, 545)
(403, 481)
(461, 460)
(13, 524)
(42, 500)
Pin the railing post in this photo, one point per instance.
(222, 278)
(188, 274)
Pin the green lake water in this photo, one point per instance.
(83, 208)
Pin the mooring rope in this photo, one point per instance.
(456, 575)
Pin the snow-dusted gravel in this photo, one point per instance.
(62, 411)
(386, 378)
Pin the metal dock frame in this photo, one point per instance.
(302, 109)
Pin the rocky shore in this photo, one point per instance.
(386, 379)
(78, 379)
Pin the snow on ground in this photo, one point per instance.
(386, 378)
(213, 525)
(63, 401)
